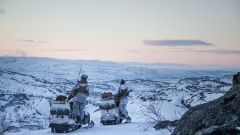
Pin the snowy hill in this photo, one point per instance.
(27, 86)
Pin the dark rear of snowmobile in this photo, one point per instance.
(109, 110)
(62, 120)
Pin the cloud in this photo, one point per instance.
(43, 42)
(2, 12)
(33, 41)
(70, 50)
(133, 51)
(26, 40)
(176, 42)
(235, 52)
(16, 52)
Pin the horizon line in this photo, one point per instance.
(164, 64)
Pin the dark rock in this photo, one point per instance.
(165, 124)
(225, 131)
(143, 98)
(236, 79)
(222, 130)
(21, 96)
(223, 114)
(183, 102)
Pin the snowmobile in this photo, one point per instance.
(62, 120)
(109, 111)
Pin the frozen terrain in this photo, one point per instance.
(27, 86)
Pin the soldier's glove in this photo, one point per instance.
(69, 98)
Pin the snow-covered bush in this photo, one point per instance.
(151, 112)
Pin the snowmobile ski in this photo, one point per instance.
(90, 125)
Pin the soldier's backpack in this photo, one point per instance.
(81, 89)
(107, 95)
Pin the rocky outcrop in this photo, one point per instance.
(165, 124)
(218, 117)
(236, 79)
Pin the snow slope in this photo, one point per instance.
(27, 85)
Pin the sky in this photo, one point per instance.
(192, 32)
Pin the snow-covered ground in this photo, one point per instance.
(137, 127)
(27, 86)
(130, 129)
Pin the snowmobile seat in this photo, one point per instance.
(61, 98)
(107, 95)
(107, 106)
(59, 111)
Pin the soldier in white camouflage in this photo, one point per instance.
(79, 93)
(123, 94)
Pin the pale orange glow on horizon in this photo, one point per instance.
(187, 32)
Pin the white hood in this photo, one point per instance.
(123, 87)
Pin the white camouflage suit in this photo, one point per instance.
(123, 102)
(80, 100)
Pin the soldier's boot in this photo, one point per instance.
(128, 119)
(78, 119)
